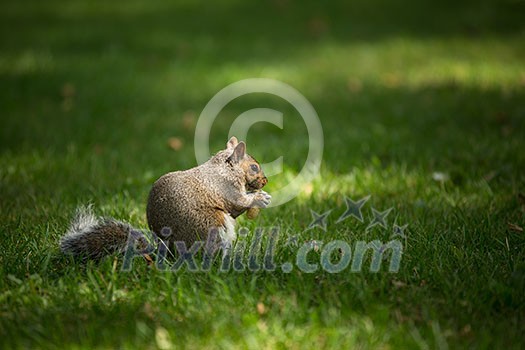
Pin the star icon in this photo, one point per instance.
(379, 218)
(353, 209)
(399, 230)
(319, 220)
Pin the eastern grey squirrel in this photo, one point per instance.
(189, 203)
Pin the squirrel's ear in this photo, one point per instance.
(238, 153)
(232, 143)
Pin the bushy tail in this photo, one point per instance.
(90, 237)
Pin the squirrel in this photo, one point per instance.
(188, 203)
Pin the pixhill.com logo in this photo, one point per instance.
(248, 253)
(338, 255)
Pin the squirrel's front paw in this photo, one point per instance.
(261, 199)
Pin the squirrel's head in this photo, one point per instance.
(255, 178)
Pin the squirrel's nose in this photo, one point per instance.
(264, 180)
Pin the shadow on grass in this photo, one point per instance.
(233, 29)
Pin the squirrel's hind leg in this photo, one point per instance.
(227, 231)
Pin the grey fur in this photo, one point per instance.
(190, 203)
(93, 238)
(193, 201)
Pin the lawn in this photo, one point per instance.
(422, 106)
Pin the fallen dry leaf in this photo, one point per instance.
(514, 227)
(68, 90)
(188, 120)
(261, 309)
(175, 143)
(398, 284)
(354, 85)
(317, 27)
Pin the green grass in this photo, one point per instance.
(92, 91)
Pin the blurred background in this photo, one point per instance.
(104, 96)
(406, 81)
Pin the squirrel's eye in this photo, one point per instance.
(254, 167)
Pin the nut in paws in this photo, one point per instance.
(261, 199)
